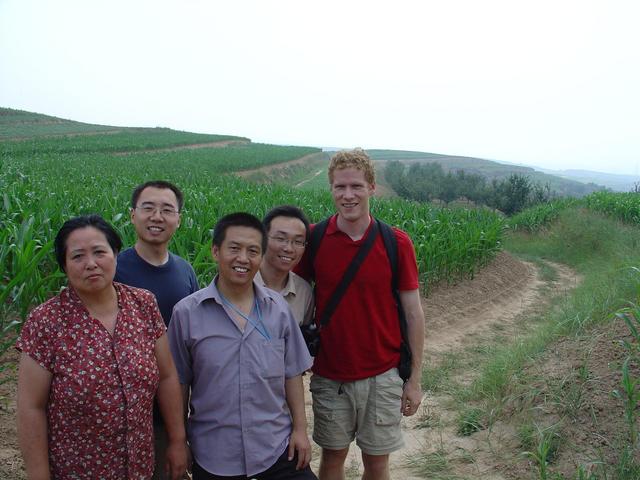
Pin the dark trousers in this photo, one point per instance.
(160, 444)
(282, 469)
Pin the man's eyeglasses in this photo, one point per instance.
(284, 241)
(164, 211)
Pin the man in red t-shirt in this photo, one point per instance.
(357, 392)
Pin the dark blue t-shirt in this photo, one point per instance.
(170, 282)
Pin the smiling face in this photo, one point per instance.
(90, 263)
(351, 193)
(156, 216)
(287, 237)
(238, 256)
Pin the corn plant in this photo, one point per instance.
(624, 206)
(534, 218)
(45, 181)
(631, 316)
(546, 449)
(630, 395)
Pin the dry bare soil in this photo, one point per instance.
(474, 312)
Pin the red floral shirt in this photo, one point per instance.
(99, 410)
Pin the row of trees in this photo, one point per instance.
(426, 182)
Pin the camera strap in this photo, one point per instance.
(351, 271)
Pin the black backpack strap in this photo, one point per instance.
(353, 267)
(314, 243)
(391, 246)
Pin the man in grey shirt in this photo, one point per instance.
(240, 358)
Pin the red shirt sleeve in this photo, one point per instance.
(150, 311)
(159, 327)
(38, 336)
(407, 265)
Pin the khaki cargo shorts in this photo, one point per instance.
(366, 410)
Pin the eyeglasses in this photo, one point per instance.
(164, 211)
(284, 241)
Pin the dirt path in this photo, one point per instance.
(276, 166)
(456, 317)
(69, 134)
(191, 146)
(299, 184)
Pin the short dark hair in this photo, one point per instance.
(289, 211)
(238, 219)
(84, 221)
(157, 184)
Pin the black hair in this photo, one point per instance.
(238, 219)
(157, 184)
(84, 221)
(286, 211)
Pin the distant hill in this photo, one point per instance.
(616, 182)
(490, 169)
(18, 124)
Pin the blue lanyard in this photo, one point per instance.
(260, 326)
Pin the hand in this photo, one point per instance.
(178, 458)
(411, 398)
(300, 441)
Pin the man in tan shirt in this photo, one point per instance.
(287, 233)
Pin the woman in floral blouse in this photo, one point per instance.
(92, 360)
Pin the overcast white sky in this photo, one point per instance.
(552, 83)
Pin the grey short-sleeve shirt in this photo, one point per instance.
(239, 422)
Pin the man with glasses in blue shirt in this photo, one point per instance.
(155, 215)
(287, 232)
(240, 357)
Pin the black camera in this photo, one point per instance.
(311, 335)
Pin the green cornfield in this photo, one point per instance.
(41, 188)
(624, 206)
(534, 218)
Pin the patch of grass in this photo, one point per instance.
(437, 377)
(470, 420)
(579, 239)
(547, 272)
(526, 433)
(627, 467)
(568, 392)
(434, 465)
(427, 418)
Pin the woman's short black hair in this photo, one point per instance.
(84, 221)
(238, 219)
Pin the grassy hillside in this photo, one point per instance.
(487, 168)
(44, 181)
(18, 123)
